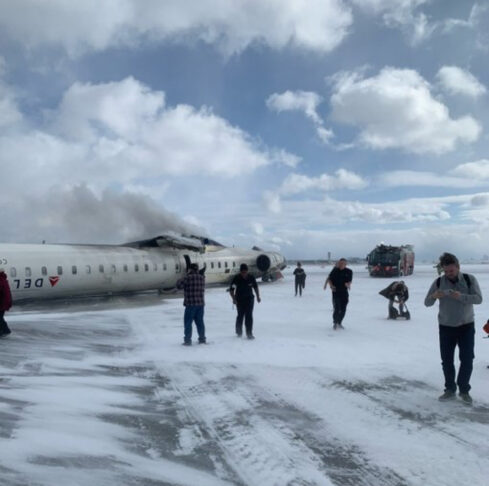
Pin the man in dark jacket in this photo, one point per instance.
(339, 281)
(193, 285)
(241, 291)
(5, 302)
(300, 279)
(457, 293)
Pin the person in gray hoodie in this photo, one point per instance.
(457, 293)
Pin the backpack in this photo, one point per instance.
(466, 277)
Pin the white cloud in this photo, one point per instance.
(476, 22)
(395, 109)
(401, 14)
(343, 179)
(324, 134)
(303, 101)
(122, 131)
(470, 174)
(406, 178)
(478, 170)
(257, 228)
(459, 81)
(351, 215)
(283, 157)
(123, 135)
(272, 202)
(465, 240)
(406, 211)
(10, 115)
(318, 25)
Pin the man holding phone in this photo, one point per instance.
(457, 293)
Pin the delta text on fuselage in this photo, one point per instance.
(44, 271)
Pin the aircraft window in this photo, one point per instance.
(219, 264)
(212, 264)
(112, 268)
(164, 267)
(44, 271)
(101, 268)
(125, 268)
(60, 270)
(88, 269)
(73, 269)
(234, 264)
(136, 267)
(226, 264)
(146, 267)
(28, 272)
(13, 272)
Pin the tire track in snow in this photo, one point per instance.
(265, 439)
(407, 399)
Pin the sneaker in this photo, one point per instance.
(447, 395)
(4, 334)
(335, 326)
(186, 343)
(250, 336)
(466, 397)
(340, 326)
(239, 334)
(202, 342)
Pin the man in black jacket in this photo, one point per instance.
(241, 291)
(339, 281)
(300, 279)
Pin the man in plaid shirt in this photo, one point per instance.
(193, 285)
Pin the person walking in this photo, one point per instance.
(193, 285)
(339, 280)
(457, 293)
(5, 303)
(300, 279)
(241, 291)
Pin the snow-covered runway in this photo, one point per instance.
(105, 394)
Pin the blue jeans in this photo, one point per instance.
(450, 337)
(194, 313)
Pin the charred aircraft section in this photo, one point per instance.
(38, 272)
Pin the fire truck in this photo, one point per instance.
(391, 261)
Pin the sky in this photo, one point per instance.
(303, 126)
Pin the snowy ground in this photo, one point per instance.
(104, 394)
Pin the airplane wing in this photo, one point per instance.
(171, 240)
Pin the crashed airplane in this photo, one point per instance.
(49, 271)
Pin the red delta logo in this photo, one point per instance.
(53, 281)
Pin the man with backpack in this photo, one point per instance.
(457, 293)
